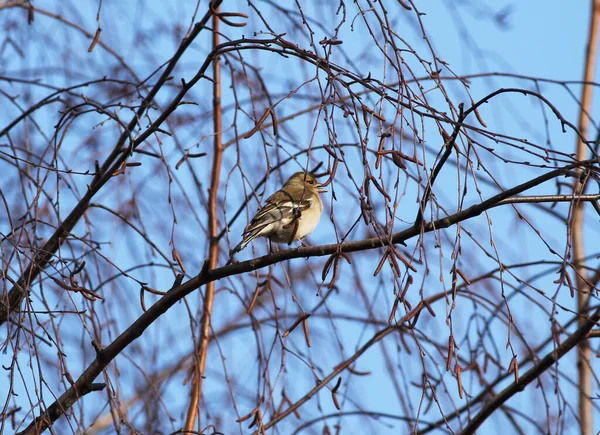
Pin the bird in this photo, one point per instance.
(289, 214)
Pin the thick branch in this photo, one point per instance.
(111, 164)
(533, 374)
(105, 356)
(120, 154)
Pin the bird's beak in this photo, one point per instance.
(320, 189)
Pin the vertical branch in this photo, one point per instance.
(209, 294)
(584, 354)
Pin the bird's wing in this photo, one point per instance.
(279, 208)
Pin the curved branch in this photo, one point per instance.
(451, 141)
(120, 153)
(532, 374)
(117, 157)
(137, 328)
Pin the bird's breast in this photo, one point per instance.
(303, 226)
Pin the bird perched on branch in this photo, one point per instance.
(291, 213)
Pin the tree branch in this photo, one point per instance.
(119, 155)
(532, 374)
(105, 356)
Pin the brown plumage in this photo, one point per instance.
(289, 214)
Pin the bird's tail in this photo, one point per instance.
(238, 248)
(245, 240)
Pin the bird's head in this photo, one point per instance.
(307, 180)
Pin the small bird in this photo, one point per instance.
(291, 213)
